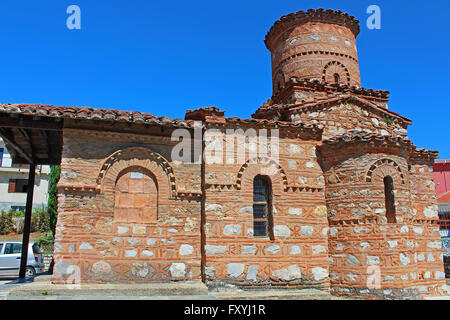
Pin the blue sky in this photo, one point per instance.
(163, 57)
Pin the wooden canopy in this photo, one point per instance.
(32, 139)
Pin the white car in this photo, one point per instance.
(10, 254)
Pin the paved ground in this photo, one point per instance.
(40, 288)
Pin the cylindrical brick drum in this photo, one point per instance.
(316, 44)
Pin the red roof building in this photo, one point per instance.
(441, 171)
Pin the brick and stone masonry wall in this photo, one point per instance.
(425, 211)
(158, 242)
(407, 253)
(105, 175)
(407, 256)
(339, 118)
(297, 255)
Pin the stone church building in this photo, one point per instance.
(349, 204)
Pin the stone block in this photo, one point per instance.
(147, 254)
(235, 270)
(281, 231)
(130, 253)
(232, 230)
(86, 246)
(295, 250)
(249, 249)
(177, 270)
(292, 272)
(139, 230)
(319, 273)
(295, 211)
(122, 230)
(213, 249)
(306, 230)
(186, 249)
(252, 273)
(140, 269)
(273, 249)
(351, 259)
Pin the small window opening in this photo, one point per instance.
(389, 199)
(262, 207)
(18, 186)
(337, 78)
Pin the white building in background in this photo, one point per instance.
(14, 181)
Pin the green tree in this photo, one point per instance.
(6, 222)
(52, 204)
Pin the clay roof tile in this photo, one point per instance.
(88, 113)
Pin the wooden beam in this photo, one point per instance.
(27, 223)
(10, 140)
(45, 137)
(49, 161)
(56, 143)
(42, 124)
(27, 136)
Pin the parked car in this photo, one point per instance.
(10, 255)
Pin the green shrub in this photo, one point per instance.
(34, 226)
(43, 219)
(18, 214)
(46, 242)
(6, 222)
(39, 220)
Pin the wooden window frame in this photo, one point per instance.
(268, 219)
(12, 185)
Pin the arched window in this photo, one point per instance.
(337, 78)
(389, 199)
(136, 197)
(262, 207)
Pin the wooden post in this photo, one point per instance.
(27, 224)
